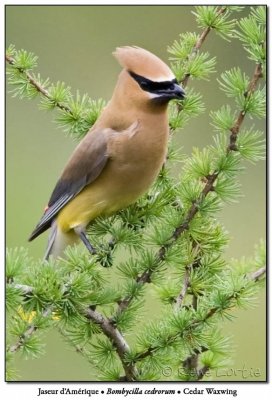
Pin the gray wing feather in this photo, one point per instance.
(85, 165)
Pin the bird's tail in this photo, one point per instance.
(58, 241)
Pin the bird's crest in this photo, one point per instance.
(142, 62)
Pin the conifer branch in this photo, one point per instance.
(29, 332)
(31, 329)
(200, 321)
(258, 73)
(191, 362)
(255, 276)
(117, 339)
(202, 372)
(186, 282)
(200, 42)
(24, 288)
(210, 179)
(10, 60)
(105, 324)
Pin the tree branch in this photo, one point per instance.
(117, 339)
(185, 286)
(201, 372)
(24, 288)
(105, 324)
(258, 73)
(191, 361)
(256, 275)
(145, 277)
(209, 186)
(199, 43)
(30, 330)
(210, 313)
(10, 60)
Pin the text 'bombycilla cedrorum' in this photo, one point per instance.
(121, 155)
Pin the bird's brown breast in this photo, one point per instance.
(137, 157)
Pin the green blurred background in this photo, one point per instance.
(74, 45)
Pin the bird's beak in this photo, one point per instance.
(175, 91)
(178, 92)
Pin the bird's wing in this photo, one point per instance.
(85, 165)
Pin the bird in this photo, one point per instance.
(119, 158)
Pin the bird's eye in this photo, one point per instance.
(153, 86)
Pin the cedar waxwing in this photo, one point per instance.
(120, 157)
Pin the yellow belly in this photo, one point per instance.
(95, 200)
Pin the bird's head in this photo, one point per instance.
(145, 77)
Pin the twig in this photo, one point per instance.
(117, 339)
(30, 330)
(201, 372)
(210, 179)
(145, 277)
(24, 288)
(38, 86)
(192, 361)
(251, 88)
(256, 275)
(186, 283)
(199, 43)
(186, 280)
(210, 313)
(106, 326)
(188, 362)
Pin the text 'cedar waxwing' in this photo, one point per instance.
(121, 155)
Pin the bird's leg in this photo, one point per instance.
(82, 234)
(85, 240)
